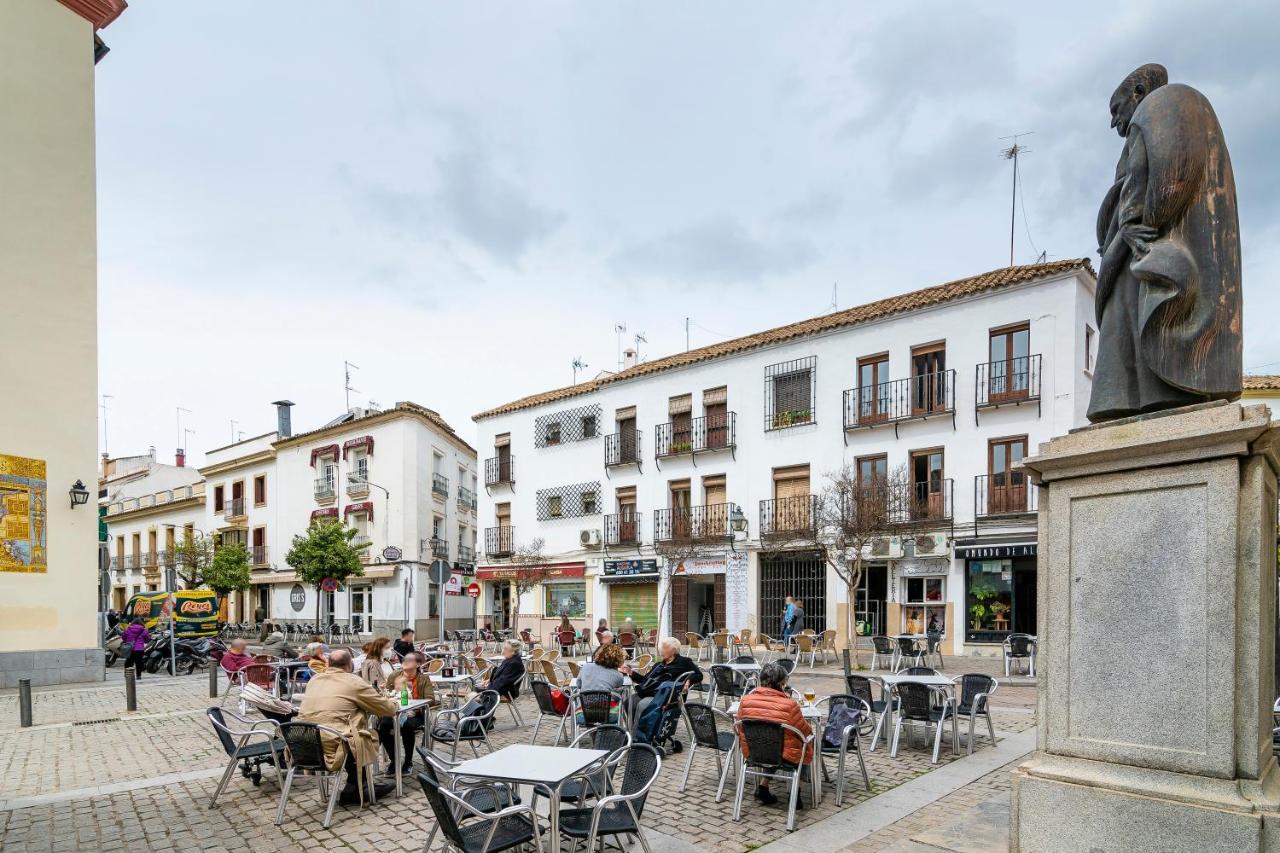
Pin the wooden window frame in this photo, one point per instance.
(1010, 495)
(219, 498)
(879, 406)
(260, 478)
(912, 455)
(932, 406)
(1000, 383)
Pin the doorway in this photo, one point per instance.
(872, 594)
(501, 610)
(926, 485)
(362, 609)
(264, 599)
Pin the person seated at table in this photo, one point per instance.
(404, 645)
(671, 666)
(376, 667)
(317, 659)
(418, 683)
(602, 628)
(771, 702)
(606, 639)
(277, 646)
(342, 700)
(235, 658)
(506, 676)
(605, 672)
(316, 638)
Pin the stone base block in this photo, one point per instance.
(52, 666)
(1067, 805)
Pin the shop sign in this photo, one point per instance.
(701, 566)
(454, 585)
(996, 552)
(392, 554)
(506, 573)
(630, 567)
(923, 568)
(297, 598)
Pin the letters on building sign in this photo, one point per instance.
(996, 552)
(630, 567)
(506, 573)
(919, 568)
(701, 566)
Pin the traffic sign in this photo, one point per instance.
(329, 584)
(439, 571)
(473, 589)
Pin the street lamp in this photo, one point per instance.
(439, 576)
(737, 524)
(79, 494)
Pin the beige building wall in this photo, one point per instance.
(48, 321)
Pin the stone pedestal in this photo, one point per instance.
(1157, 603)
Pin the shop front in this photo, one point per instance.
(1000, 591)
(546, 595)
(698, 596)
(799, 574)
(631, 587)
(921, 601)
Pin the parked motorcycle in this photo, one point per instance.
(112, 646)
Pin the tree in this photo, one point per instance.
(526, 564)
(191, 558)
(229, 571)
(325, 551)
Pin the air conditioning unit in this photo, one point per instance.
(589, 538)
(932, 545)
(883, 548)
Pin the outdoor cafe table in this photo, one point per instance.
(546, 767)
(453, 682)
(401, 711)
(931, 680)
(741, 667)
(813, 716)
(292, 666)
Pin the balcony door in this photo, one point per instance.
(627, 444)
(873, 390)
(1009, 374)
(715, 510)
(628, 532)
(1007, 490)
(681, 510)
(927, 484)
(791, 505)
(928, 379)
(504, 463)
(715, 410)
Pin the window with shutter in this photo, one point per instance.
(789, 393)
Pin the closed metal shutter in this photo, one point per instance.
(637, 601)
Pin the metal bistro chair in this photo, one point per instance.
(1020, 647)
(617, 814)
(770, 646)
(721, 644)
(471, 723)
(927, 706)
(788, 664)
(727, 684)
(546, 708)
(701, 721)
(306, 755)
(743, 641)
(850, 740)
(242, 749)
(568, 642)
(882, 648)
(597, 780)
(972, 700)
(470, 830)
(484, 796)
(764, 740)
(628, 642)
(827, 644)
(932, 648)
(919, 670)
(861, 687)
(597, 708)
(907, 649)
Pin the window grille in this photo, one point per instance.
(789, 391)
(567, 426)
(575, 501)
(801, 574)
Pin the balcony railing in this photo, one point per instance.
(466, 499)
(500, 470)
(924, 396)
(998, 498)
(622, 448)
(922, 504)
(466, 554)
(233, 508)
(696, 435)
(325, 489)
(693, 524)
(789, 517)
(622, 530)
(440, 485)
(259, 553)
(1013, 381)
(358, 479)
(131, 561)
(115, 562)
(148, 558)
(499, 541)
(359, 540)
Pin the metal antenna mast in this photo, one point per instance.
(346, 369)
(182, 439)
(186, 431)
(640, 339)
(618, 329)
(1013, 152)
(686, 334)
(578, 364)
(233, 430)
(106, 445)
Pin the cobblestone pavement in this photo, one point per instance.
(170, 735)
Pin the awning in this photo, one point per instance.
(331, 512)
(363, 506)
(327, 450)
(365, 441)
(550, 572)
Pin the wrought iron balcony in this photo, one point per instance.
(361, 540)
(922, 504)
(440, 485)
(711, 522)
(500, 470)
(148, 558)
(466, 499)
(622, 448)
(131, 561)
(925, 396)
(696, 435)
(794, 517)
(1013, 381)
(499, 541)
(1002, 498)
(622, 530)
(233, 508)
(259, 555)
(358, 479)
(325, 489)
(466, 554)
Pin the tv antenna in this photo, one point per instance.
(346, 370)
(182, 439)
(186, 431)
(578, 364)
(1013, 152)
(105, 443)
(233, 431)
(835, 288)
(619, 329)
(640, 339)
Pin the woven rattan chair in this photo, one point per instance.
(932, 648)
(695, 644)
(919, 670)
(921, 704)
(850, 740)
(770, 646)
(861, 687)
(617, 814)
(305, 749)
(249, 743)
(721, 644)
(805, 645)
(597, 780)
(789, 664)
(723, 745)
(469, 724)
(487, 797)
(827, 644)
(765, 740)
(907, 650)
(574, 669)
(973, 692)
(882, 652)
(597, 707)
(743, 641)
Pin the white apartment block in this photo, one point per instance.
(951, 385)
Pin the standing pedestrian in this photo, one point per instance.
(135, 640)
(797, 617)
(788, 617)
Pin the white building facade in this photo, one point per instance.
(949, 387)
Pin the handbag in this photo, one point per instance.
(559, 701)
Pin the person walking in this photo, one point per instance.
(135, 639)
(788, 617)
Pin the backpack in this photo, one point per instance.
(841, 717)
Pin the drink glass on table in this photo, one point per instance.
(809, 696)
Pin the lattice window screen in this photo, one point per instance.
(575, 501)
(567, 426)
(789, 390)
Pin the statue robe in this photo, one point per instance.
(1169, 321)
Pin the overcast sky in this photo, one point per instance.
(462, 198)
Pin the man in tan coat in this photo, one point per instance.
(342, 700)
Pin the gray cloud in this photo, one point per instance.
(818, 206)
(716, 250)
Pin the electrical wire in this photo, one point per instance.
(1022, 202)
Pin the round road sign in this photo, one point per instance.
(473, 589)
(439, 571)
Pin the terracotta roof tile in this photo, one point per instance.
(1260, 382)
(915, 300)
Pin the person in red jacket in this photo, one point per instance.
(235, 658)
(771, 701)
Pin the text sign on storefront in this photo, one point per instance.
(297, 598)
(996, 552)
(701, 566)
(923, 568)
(630, 567)
(506, 573)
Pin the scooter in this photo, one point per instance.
(112, 646)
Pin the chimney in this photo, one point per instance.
(284, 428)
(628, 358)
(151, 451)
(180, 458)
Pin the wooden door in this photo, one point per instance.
(928, 379)
(627, 440)
(681, 521)
(1009, 370)
(1006, 483)
(717, 421)
(927, 484)
(873, 390)
(718, 604)
(679, 606)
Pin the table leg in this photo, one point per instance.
(399, 754)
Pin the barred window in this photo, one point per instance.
(789, 393)
(572, 501)
(567, 426)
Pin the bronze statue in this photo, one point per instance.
(1168, 301)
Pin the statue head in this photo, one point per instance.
(1127, 96)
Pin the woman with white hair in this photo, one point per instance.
(669, 668)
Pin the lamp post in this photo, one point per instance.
(439, 577)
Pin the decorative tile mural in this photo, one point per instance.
(23, 517)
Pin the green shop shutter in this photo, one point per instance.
(636, 600)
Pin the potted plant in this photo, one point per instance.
(998, 611)
(978, 612)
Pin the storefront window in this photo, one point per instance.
(565, 599)
(989, 602)
(925, 610)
